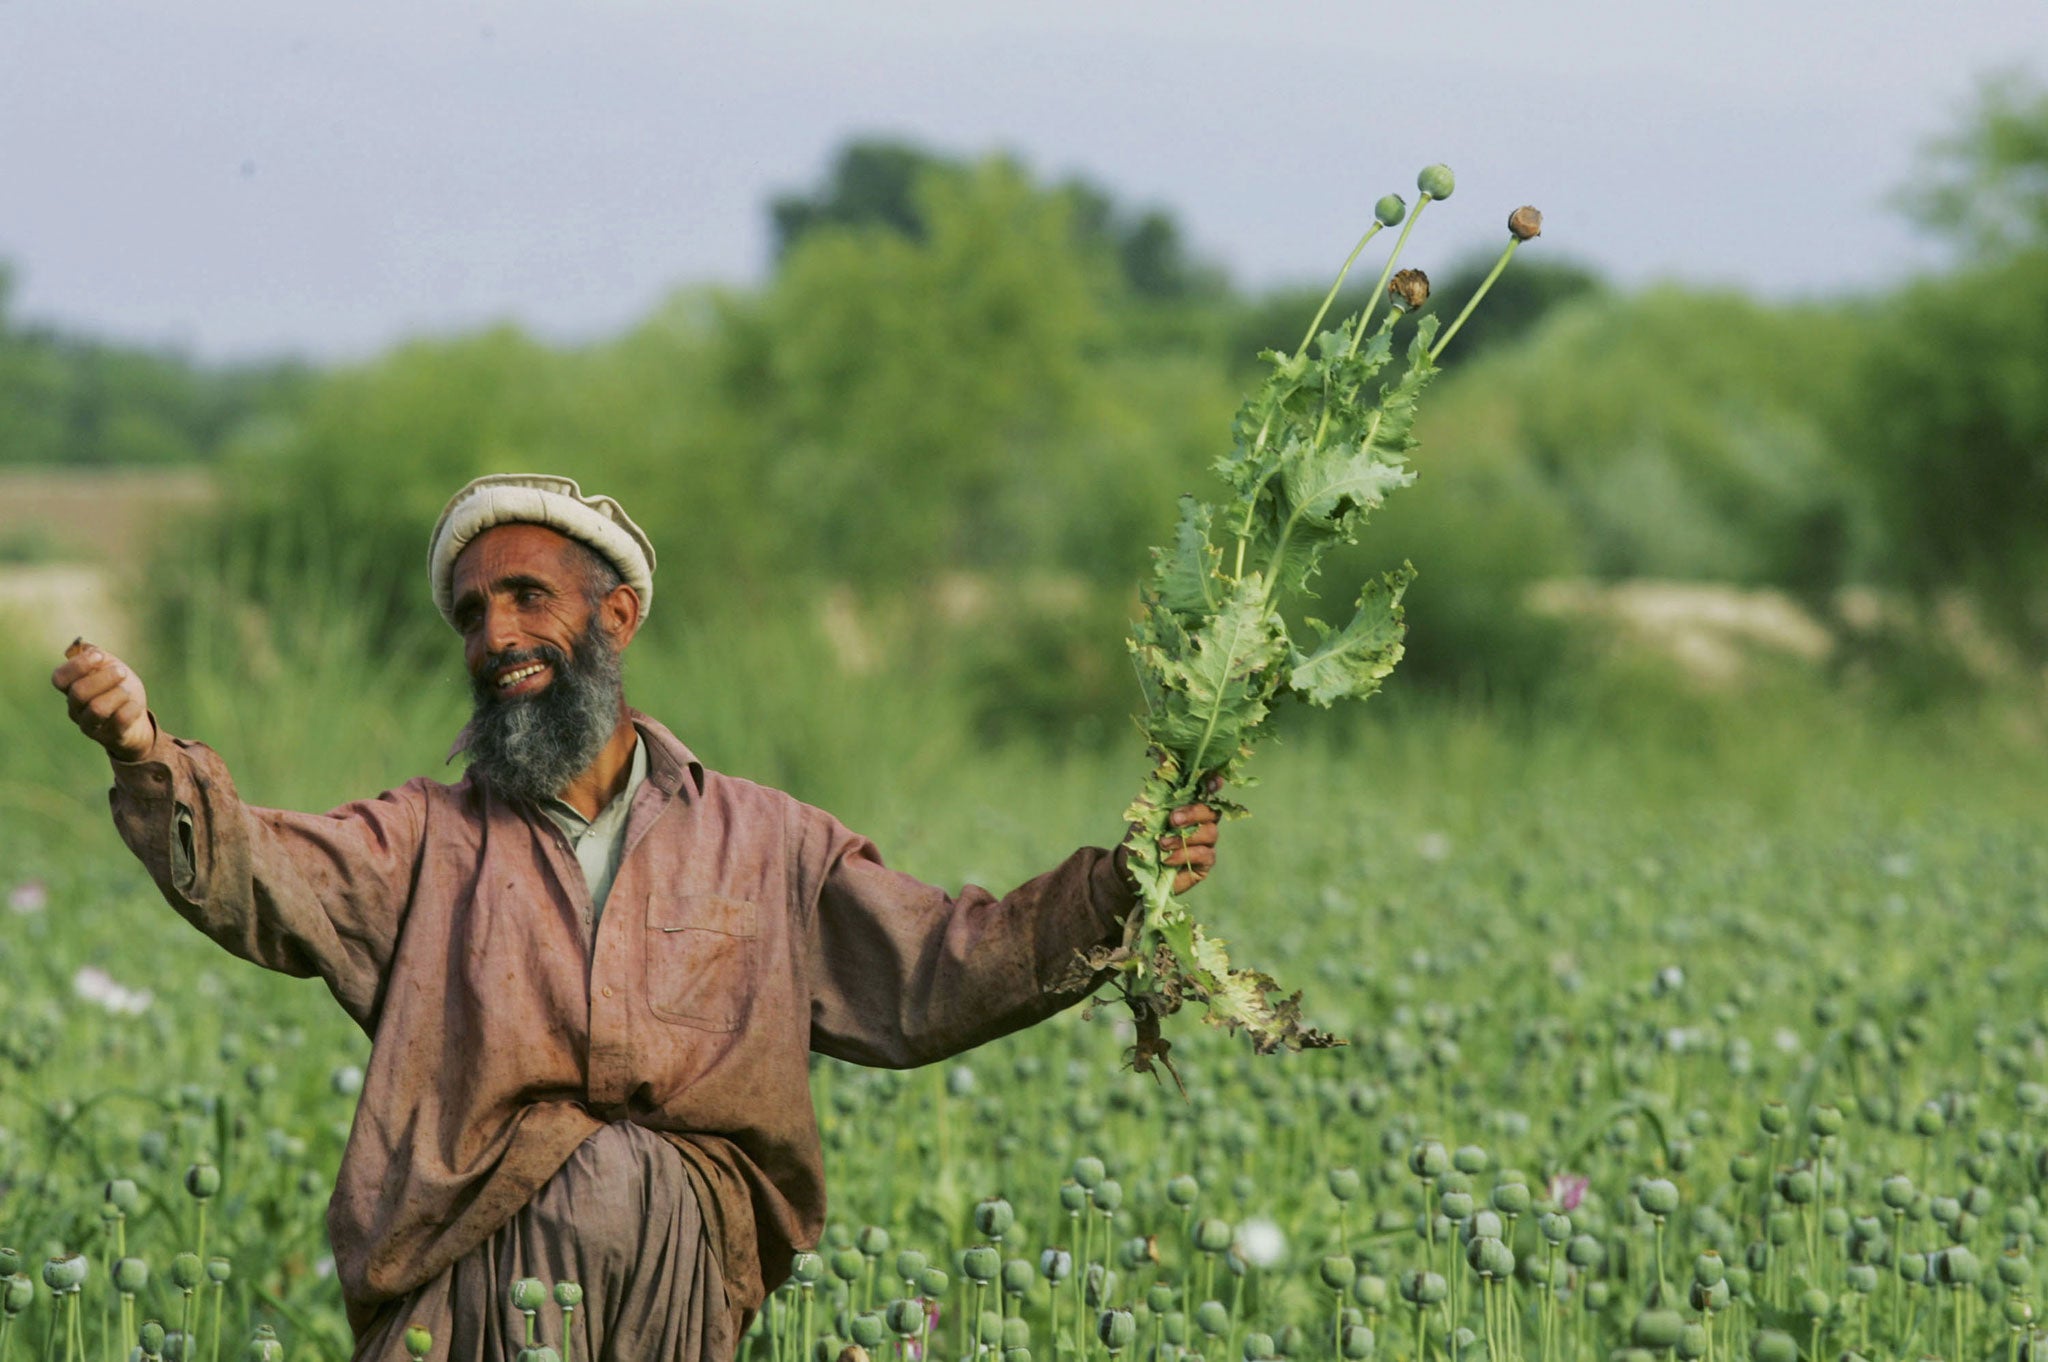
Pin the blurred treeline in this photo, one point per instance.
(946, 429)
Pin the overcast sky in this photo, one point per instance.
(245, 177)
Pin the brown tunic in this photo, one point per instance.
(744, 930)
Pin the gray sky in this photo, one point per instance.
(243, 177)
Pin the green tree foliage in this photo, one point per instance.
(1952, 436)
(72, 402)
(1985, 184)
(881, 183)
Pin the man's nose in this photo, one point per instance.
(501, 633)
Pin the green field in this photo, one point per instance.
(1597, 944)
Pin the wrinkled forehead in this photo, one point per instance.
(508, 551)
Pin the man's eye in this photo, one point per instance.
(529, 595)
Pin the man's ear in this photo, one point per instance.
(619, 612)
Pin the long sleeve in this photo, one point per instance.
(902, 973)
(304, 894)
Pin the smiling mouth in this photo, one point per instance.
(507, 680)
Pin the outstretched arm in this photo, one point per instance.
(304, 894)
(903, 973)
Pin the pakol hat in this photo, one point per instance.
(538, 499)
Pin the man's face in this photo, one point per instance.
(518, 587)
(543, 659)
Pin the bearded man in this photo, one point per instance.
(593, 969)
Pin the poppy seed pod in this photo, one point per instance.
(2018, 1312)
(1098, 1285)
(1692, 1342)
(1596, 1295)
(1862, 1277)
(1056, 1265)
(528, 1293)
(202, 1180)
(151, 1336)
(867, 1330)
(1513, 1198)
(1459, 1205)
(1212, 1318)
(1389, 211)
(1212, 1235)
(981, 1264)
(1658, 1196)
(1708, 1268)
(1436, 181)
(909, 1263)
(1369, 1289)
(1707, 1298)
(1896, 1191)
(1344, 1183)
(1182, 1190)
(131, 1275)
(1016, 1339)
(1957, 1266)
(1928, 1120)
(1358, 1343)
(1159, 1298)
(994, 1217)
(1429, 1160)
(904, 1317)
(65, 1273)
(1410, 288)
(1584, 1251)
(1556, 1227)
(1797, 1185)
(418, 1342)
(1108, 1195)
(847, 1264)
(1337, 1270)
(1774, 1117)
(1814, 1303)
(807, 1269)
(1016, 1277)
(11, 1261)
(988, 1329)
(1772, 1345)
(218, 1270)
(1089, 1172)
(1469, 1159)
(1117, 1329)
(124, 1195)
(1073, 1198)
(1173, 1327)
(1259, 1347)
(2014, 1269)
(872, 1241)
(187, 1272)
(1525, 222)
(568, 1295)
(1655, 1328)
(17, 1293)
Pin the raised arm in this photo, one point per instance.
(304, 894)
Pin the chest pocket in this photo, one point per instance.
(700, 959)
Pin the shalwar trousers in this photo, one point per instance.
(622, 1220)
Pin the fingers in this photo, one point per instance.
(106, 700)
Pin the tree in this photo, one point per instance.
(1985, 185)
(876, 183)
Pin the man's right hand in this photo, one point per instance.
(107, 702)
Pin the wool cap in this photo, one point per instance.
(538, 499)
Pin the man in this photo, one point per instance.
(593, 970)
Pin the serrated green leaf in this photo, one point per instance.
(1216, 687)
(1323, 486)
(1184, 574)
(1352, 661)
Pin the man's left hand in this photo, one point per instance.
(1191, 845)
